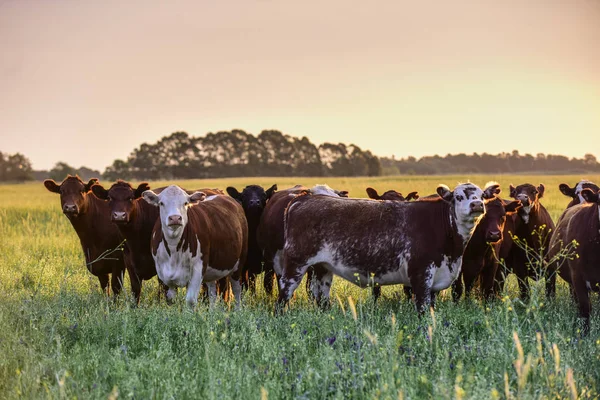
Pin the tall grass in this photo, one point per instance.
(60, 337)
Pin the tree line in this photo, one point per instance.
(272, 153)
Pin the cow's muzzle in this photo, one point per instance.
(477, 207)
(119, 217)
(175, 221)
(493, 237)
(71, 209)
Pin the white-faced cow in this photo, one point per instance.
(418, 244)
(270, 233)
(90, 217)
(532, 217)
(480, 258)
(135, 219)
(584, 229)
(198, 239)
(557, 259)
(253, 200)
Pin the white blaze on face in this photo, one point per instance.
(466, 195)
(579, 188)
(174, 202)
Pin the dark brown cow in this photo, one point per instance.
(480, 258)
(253, 199)
(584, 229)
(90, 217)
(270, 232)
(391, 195)
(419, 243)
(530, 217)
(135, 219)
(198, 239)
(557, 262)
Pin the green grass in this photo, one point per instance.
(59, 337)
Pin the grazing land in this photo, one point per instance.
(60, 337)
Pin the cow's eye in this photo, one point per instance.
(186, 203)
(161, 204)
(131, 199)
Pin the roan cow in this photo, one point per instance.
(198, 239)
(253, 199)
(90, 217)
(418, 244)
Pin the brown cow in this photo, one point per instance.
(198, 239)
(270, 232)
(480, 258)
(419, 243)
(531, 217)
(90, 217)
(135, 219)
(253, 199)
(557, 262)
(584, 229)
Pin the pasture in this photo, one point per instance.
(60, 337)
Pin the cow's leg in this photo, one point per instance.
(309, 282)
(432, 301)
(171, 294)
(104, 284)
(582, 296)
(116, 280)
(244, 279)
(550, 283)
(134, 279)
(321, 285)
(236, 288)
(212, 292)
(290, 279)
(162, 288)
(268, 280)
(457, 288)
(195, 283)
(223, 289)
(523, 285)
(376, 292)
(422, 291)
(252, 281)
(408, 292)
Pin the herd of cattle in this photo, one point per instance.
(460, 238)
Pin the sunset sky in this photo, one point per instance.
(88, 81)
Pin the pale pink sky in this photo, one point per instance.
(88, 81)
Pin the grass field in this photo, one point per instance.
(59, 337)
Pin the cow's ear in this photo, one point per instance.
(142, 187)
(566, 190)
(52, 186)
(412, 196)
(233, 192)
(198, 196)
(491, 191)
(100, 192)
(372, 193)
(271, 191)
(151, 197)
(445, 193)
(512, 207)
(92, 182)
(512, 191)
(541, 190)
(341, 193)
(589, 195)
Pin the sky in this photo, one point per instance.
(86, 82)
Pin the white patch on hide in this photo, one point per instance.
(445, 274)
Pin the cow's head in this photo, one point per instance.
(529, 196)
(467, 202)
(73, 192)
(173, 203)
(492, 222)
(253, 198)
(391, 195)
(327, 191)
(575, 191)
(120, 197)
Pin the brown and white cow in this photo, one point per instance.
(253, 199)
(531, 217)
(556, 258)
(198, 239)
(391, 195)
(418, 244)
(135, 219)
(90, 217)
(584, 229)
(480, 258)
(270, 232)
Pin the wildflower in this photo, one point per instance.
(331, 340)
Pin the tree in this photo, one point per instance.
(17, 168)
